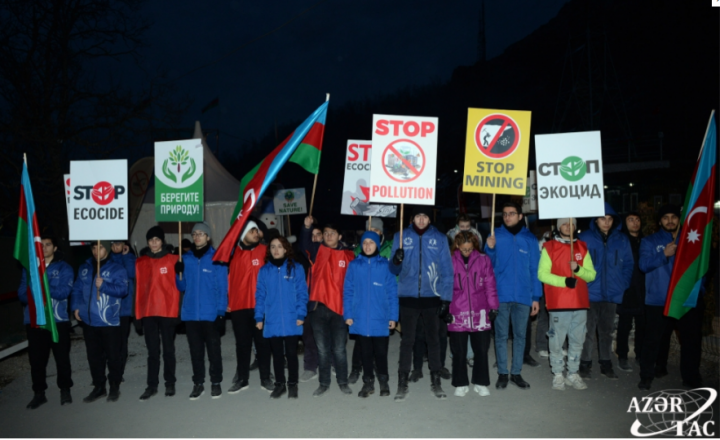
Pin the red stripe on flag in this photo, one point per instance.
(315, 136)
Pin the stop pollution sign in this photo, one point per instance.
(405, 159)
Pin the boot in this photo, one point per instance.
(65, 396)
(402, 389)
(95, 394)
(37, 400)
(384, 386)
(114, 394)
(435, 385)
(368, 387)
(292, 390)
(278, 391)
(354, 376)
(416, 375)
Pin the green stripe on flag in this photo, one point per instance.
(21, 249)
(308, 157)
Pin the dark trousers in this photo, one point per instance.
(310, 355)
(420, 347)
(374, 351)
(285, 347)
(159, 330)
(625, 323)
(103, 345)
(543, 325)
(600, 319)
(480, 342)
(243, 322)
(357, 354)
(202, 335)
(330, 333)
(125, 330)
(40, 345)
(528, 336)
(431, 323)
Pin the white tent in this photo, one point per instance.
(221, 195)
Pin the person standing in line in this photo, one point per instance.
(40, 344)
(370, 305)
(157, 305)
(203, 310)
(463, 224)
(281, 301)
(514, 253)
(474, 306)
(123, 255)
(567, 299)
(310, 353)
(96, 302)
(244, 267)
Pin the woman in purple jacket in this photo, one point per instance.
(474, 305)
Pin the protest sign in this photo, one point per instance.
(290, 201)
(179, 181)
(356, 186)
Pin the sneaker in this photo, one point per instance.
(461, 391)
(558, 382)
(585, 372)
(198, 390)
(169, 390)
(416, 375)
(149, 392)
(575, 381)
(322, 389)
(609, 373)
(37, 400)
(624, 365)
(308, 375)
(278, 391)
(445, 374)
(530, 361)
(239, 386)
(354, 376)
(543, 353)
(292, 390)
(268, 385)
(215, 391)
(345, 389)
(482, 390)
(95, 394)
(65, 396)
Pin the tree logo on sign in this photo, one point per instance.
(572, 168)
(182, 166)
(289, 196)
(497, 136)
(179, 157)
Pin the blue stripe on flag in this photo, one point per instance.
(34, 273)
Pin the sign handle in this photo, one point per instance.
(492, 217)
(289, 233)
(369, 223)
(180, 245)
(402, 205)
(97, 291)
(572, 252)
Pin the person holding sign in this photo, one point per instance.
(514, 253)
(370, 305)
(96, 301)
(203, 311)
(425, 277)
(157, 305)
(244, 267)
(566, 274)
(123, 255)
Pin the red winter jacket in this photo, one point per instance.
(156, 294)
(244, 268)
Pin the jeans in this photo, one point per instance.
(243, 322)
(202, 335)
(431, 323)
(125, 329)
(285, 347)
(40, 344)
(570, 324)
(156, 330)
(600, 317)
(103, 345)
(330, 333)
(625, 324)
(374, 352)
(458, 346)
(310, 355)
(518, 314)
(543, 325)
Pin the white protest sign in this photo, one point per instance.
(290, 201)
(405, 160)
(66, 181)
(530, 198)
(569, 175)
(356, 186)
(98, 200)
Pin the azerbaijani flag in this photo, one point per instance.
(693, 252)
(303, 147)
(28, 250)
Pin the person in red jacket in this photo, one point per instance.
(157, 303)
(248, 258)
(565, 275)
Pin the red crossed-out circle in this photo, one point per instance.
(503, 121)
(391, 148)
(138, 183)
(103, 193)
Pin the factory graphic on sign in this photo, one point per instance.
(404, 160)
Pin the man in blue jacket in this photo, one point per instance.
(657, 257)
(96, 300)
(122, 255)
(425, 280)
(40, 344)
(612, 256)
(514, 253)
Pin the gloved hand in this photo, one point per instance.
(398, 257)
(220, 324)
(493, 315)
(444, 313)
(179, 267)
(570, 282)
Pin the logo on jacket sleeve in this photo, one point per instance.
(163, 270)
(256, 262)
(341, 263)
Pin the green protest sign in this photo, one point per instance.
(179, 181)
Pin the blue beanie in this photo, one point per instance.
(372, 236)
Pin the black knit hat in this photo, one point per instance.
(422, 209)
(668, 209)
(155, 231)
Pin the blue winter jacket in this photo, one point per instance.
(60, 279)
(515, 261)
(281, 299)
(128, 262)
(430, 254)
(656, 266)
(613, 261)
(370, 296)
(105, 311)
(205, 284)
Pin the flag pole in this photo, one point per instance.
(312, 197)
(572, 252)
(402, 205)
(369, 223)
(180, 245)
(492, 218)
